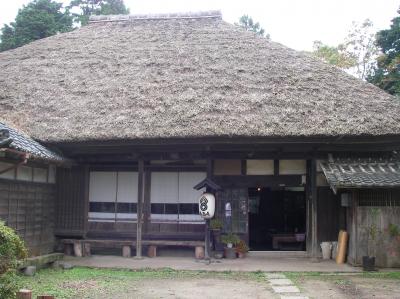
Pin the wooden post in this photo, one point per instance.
(78, 248)
(207, 226)
(140, 208)
(45, 297)
(126, 251)
(24, 294)
(314, 210)
(86, 249)
(86, 199)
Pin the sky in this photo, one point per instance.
(294, 23)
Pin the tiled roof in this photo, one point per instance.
(362, 173)
(25, 144)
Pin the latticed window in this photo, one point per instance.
(235, 219)
(378, 198)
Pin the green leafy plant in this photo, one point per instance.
(216, 223)
(372, 230)
(12, 252)
(242, 247)
(230, 239)
(393, 230)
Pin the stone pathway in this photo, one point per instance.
(284, 286)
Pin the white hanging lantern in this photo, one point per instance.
(207, 205)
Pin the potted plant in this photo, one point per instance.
(368, 261)
(216, 227)
(242, 249)
(230, 240)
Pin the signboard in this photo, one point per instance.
(207, 205)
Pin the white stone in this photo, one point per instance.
(30, 270)
(293, 297)
(281, 282)
(274, 275)
(286, 289)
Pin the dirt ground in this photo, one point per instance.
(349, 287)
(195, 288)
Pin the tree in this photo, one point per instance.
(387, 73)
(360, 42)
(36, 20)
(97, 7)
(247, 23)
(337, 56)
(356, 54)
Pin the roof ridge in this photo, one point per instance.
(161, 16)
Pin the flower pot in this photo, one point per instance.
(368, 263)
(230, 253)
(229, 245)
(241, 255)
(216, 235)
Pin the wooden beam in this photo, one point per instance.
(276, 167)
(207, 248)
(147, 201)
(140, 208)
(86, 199)
(314, 209)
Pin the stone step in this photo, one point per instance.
(285, 289)
(280, 282)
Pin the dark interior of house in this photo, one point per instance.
(277, 219)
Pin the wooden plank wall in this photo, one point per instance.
(29, 208)
(71, 203)
(385, 247)
(331, 216)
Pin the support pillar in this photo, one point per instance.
(140, 208)
(314, 210)
(207, 247)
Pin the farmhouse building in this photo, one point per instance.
(139, 109)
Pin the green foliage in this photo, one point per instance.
(387, 73)
(357, 53)
(97, 7)
(393, 230)
(242, 247)
(230, 239)
(216, 223)
(247, 23)
(8, 285)
(12, 251)
(360, 42)
(337, 56)
(372, 230)
(36, 20)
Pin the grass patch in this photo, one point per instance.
(97, 283)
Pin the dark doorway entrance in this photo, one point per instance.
(277, 219)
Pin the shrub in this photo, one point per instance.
(216, 223)
(242, 247)
(230, 239)
(12, 252)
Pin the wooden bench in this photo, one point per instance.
(82, 247)
(278, 239)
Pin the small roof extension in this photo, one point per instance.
(362, 173)
(14, 140)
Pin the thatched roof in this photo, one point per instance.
(179, 76)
